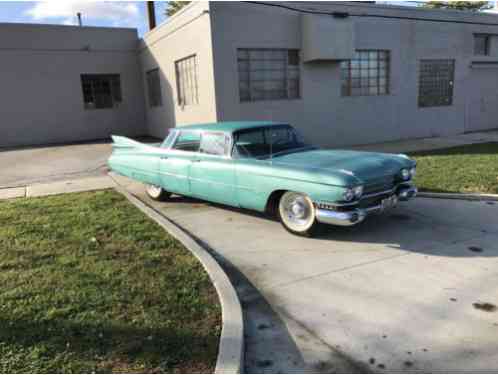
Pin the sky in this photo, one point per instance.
(94, 13)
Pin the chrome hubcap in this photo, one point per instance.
(297, 209)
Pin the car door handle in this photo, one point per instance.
(196, 160)
(164, 157)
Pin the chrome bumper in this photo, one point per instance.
(357, 215)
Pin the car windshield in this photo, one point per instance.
(267, 142)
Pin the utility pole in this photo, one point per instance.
(151, 14)
(79, 19)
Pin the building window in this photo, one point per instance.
(367, 73)
(101, 90)
(154, 88)
(436, 83)
(481, 44)
(186, 81)
(268, 74)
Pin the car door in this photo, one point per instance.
(212, 173)
(174, 166)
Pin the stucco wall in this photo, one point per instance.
(185, 34)
(41, 99)
(322, 114)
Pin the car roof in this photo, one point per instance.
(230, 126)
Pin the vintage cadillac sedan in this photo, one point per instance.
(267, 167)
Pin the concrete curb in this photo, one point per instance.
(462, 196)
(231, 350)
(11, 193)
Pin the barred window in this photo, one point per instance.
(367, 73)
(154, 88)
(268, 74)
(436, 83)
(481, 44)
(101, 90)
(186, 81)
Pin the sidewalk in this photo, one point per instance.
(58, 187)
(425, 144)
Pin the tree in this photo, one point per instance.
(175, 6)
(473, 6)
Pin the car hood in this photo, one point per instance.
(352, 166)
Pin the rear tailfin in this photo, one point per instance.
(119, 142)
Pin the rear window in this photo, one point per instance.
(188, 141)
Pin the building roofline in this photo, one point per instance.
(55, 26)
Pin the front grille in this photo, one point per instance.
(378, 185)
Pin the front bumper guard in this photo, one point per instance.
(357, 215)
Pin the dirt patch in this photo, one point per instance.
(400, 217)
(475, 249)
(484, 306)
(264, 363)
(263, 326)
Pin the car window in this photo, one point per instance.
(188, 141)
(267, 142)
(251, 144)
(215, 143)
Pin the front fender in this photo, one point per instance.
(254, 190)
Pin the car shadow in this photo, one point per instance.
(401, 229)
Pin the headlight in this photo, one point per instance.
(358, 191)
(405, 174)
(348, 195)
(413, 172)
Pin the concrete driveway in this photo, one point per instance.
(407, 291)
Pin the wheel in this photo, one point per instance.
(156, 192)
(297, 214)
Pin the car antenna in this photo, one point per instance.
(271, 146)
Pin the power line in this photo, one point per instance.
(347, 14)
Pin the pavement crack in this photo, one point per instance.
(337, 270)
(355, 366)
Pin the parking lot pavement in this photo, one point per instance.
(414, 289)
(20, 167)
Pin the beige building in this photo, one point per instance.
(343, 73)
(66, 83)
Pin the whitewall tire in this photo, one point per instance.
(297, 213)
(156, 192)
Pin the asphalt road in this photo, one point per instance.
(412, 290)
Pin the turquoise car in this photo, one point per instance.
(267, 167)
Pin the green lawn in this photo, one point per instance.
(88, 283)
(463, 169)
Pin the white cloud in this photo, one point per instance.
(115, 12)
